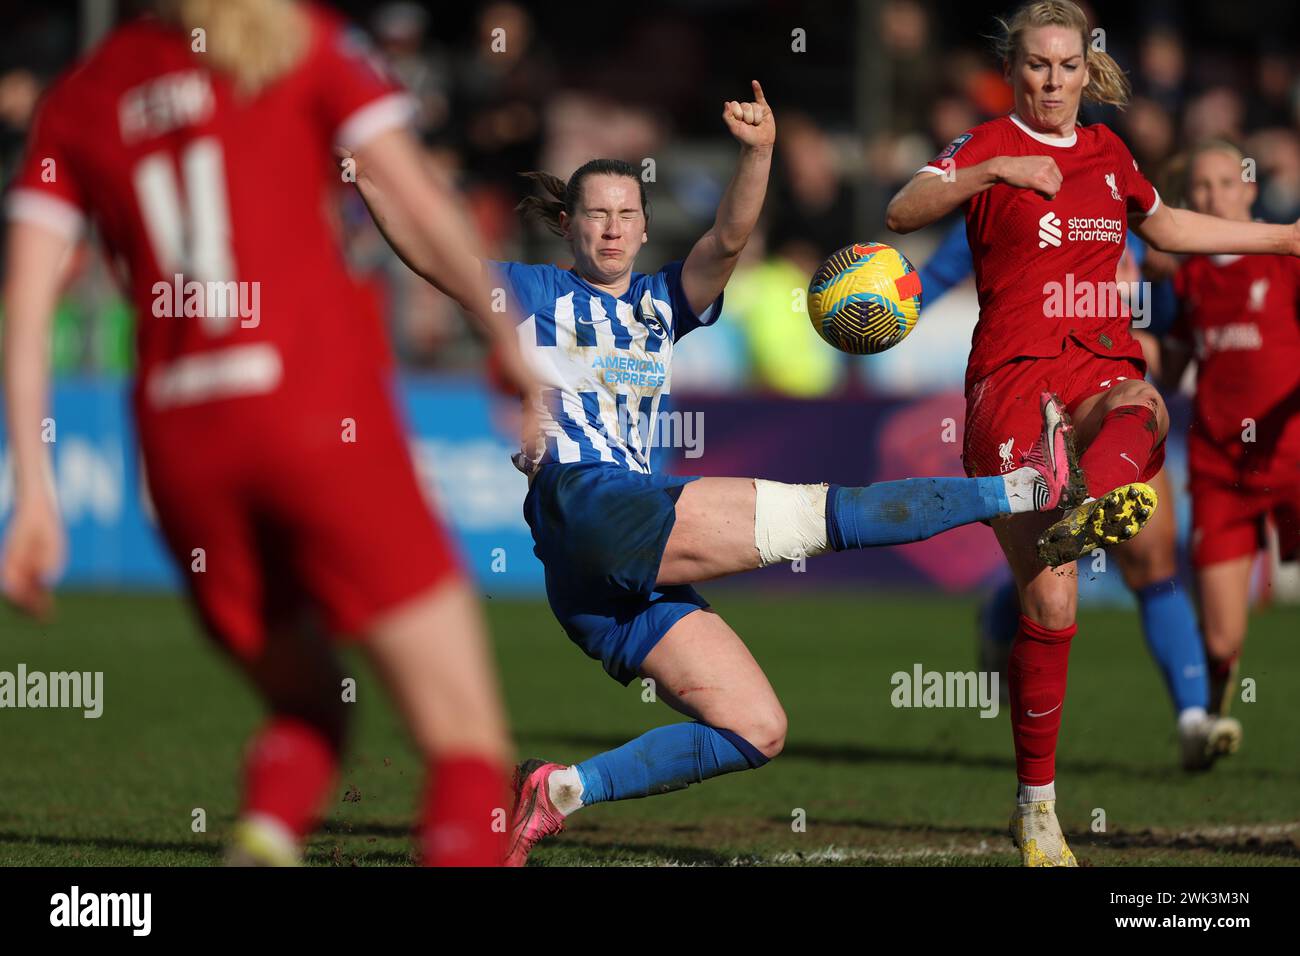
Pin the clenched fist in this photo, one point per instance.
(1038, 173)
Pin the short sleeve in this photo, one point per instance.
(46, 189)
(527, 286)
(356, 99)
(969, 149)
(1141, 196)
(684, 317)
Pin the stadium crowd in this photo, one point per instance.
(508, 87)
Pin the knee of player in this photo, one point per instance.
(1056, 612)
(1143, 393)
(1223, 641)
(1143, 567)
(766, 730)
(327, 717)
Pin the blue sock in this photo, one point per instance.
(896, 512)
(1175, 642)
(999, 616)
(664, 759)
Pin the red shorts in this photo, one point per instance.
(1231, 505)
(270, 513)
(1003, 420)
(1228, 522)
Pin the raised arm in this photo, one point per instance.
(714, 256)
(1181, 230)
(929, 196)
(424, 223)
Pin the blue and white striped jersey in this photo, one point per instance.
(604, 362)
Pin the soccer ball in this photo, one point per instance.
(865, 298)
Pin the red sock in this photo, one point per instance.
(466, 813)
(288, 771)
(1036, 685)
(1221, 668)
(1128, 437)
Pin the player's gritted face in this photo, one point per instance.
(1216, 187)
(1048, 76)
(607, 229)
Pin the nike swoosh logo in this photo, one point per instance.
(1044, 713)
(1130, 461)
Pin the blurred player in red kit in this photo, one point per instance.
(1046, 203)
(1239, 320)
(198, 140)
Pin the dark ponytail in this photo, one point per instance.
(563, 197)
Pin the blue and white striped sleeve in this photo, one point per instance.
(684, 317)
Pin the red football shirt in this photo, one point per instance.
(1241, 315)
(1045, 269)
(214, 205)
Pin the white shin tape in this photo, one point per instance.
(789, 521)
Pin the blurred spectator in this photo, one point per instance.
(1150, 131)
(1277, 154)
(1217, 113)
(911, 77)
(1275, 86)
(502, 86)
(809, 201)
(520, 85)
(19, 90)
(1161, 72)
(401, 32)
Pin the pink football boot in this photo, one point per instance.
(534, 817)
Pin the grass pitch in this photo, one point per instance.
(872, 784)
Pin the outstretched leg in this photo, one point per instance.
(727, 525)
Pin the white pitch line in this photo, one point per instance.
(837, 854)
(834, 854)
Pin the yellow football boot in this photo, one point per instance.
(1114, 517)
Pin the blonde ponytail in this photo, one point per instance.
(1107, 82)
(255, 41)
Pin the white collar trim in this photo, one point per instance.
(1061, 142)
(1224, 260)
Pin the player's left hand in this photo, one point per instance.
(1295, 238)
(34, 552)
(751, 123)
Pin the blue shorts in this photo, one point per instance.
(600, 531)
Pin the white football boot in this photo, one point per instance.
(1037, 835)
(1205, 740)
